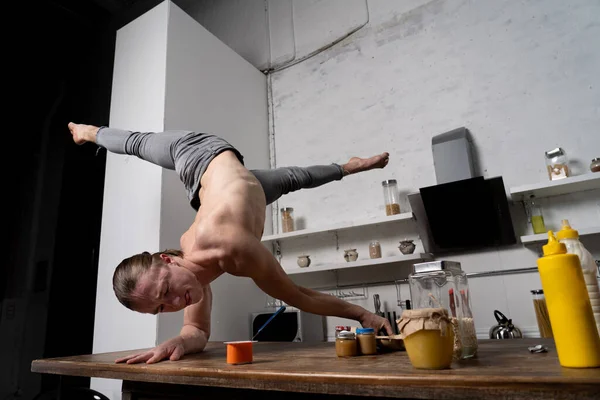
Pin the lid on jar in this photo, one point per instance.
(557, 152)
(364, 330)
(537, 291)
(389, 182)
(284, 209)
(346, 335)
(431, 266)
(430, 319)
(596, 159)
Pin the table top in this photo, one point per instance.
(501, 367)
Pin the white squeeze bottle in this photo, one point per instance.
(570, 237)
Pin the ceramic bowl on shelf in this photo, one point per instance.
(303, 261)
(407, 247)
(350, 255)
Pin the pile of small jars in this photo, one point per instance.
(351, 344)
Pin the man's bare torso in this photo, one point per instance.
(231, 199)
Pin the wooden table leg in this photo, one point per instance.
(127, 392)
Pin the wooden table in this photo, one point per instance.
(503, 369)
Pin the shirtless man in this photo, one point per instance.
(225, 236)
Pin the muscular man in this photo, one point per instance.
(225, 236)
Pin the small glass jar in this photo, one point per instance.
(391, 197)
(428, 337)
(443, 284)
(340, 328)
(557, 164)
(287, 219)
(374, 249)
(536, 216)
(541, 313)
(345, 344)
(595, 165)
(367, 345)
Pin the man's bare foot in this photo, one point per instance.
(356, 164)
(83, 133)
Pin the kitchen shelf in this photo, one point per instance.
(543, 237)
(579, 183)
(409, 258)
(333, 228)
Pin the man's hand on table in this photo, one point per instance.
(370, 320)
(172, 349)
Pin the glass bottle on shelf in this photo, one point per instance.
(287, 219)
(536, 216)
(443, 284)
(391, 197)
(557, 164)
(374, 249)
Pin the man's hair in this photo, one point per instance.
(128, 272)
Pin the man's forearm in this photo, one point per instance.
(194, 339)
(332, 306)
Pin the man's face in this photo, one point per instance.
(166, 289)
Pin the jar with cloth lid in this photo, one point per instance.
(428, 337)
(443, 284)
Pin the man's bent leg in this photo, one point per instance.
(280, 181)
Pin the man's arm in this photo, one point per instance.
(196, 323)
(249, 257)
(192, 338)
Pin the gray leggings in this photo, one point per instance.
(189, 153)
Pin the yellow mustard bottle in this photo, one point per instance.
(575, 334)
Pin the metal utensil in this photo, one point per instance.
(377, 303)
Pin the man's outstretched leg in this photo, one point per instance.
(279, 181)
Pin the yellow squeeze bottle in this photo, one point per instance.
(573, 325)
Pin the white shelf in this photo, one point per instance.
(572, 184)
(416, 257)
(543, 237)
(308, 232)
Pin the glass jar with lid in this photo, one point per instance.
(345, 344)
(367, 345)
(287, 219)
(443, 284)
(557, 164)
(391, 197)
(374, 249)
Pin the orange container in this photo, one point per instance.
(239, 352)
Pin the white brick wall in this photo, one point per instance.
(523, 77)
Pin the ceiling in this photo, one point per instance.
(115, 6)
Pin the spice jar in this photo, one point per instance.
(391, 197)
(345, 344)
(374, 249)
(557, 164)
(443, 284)
(428, 337)
(287, 219)
(595, 165)
(340, 328)
(367, 345)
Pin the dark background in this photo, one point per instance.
(60, 59)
